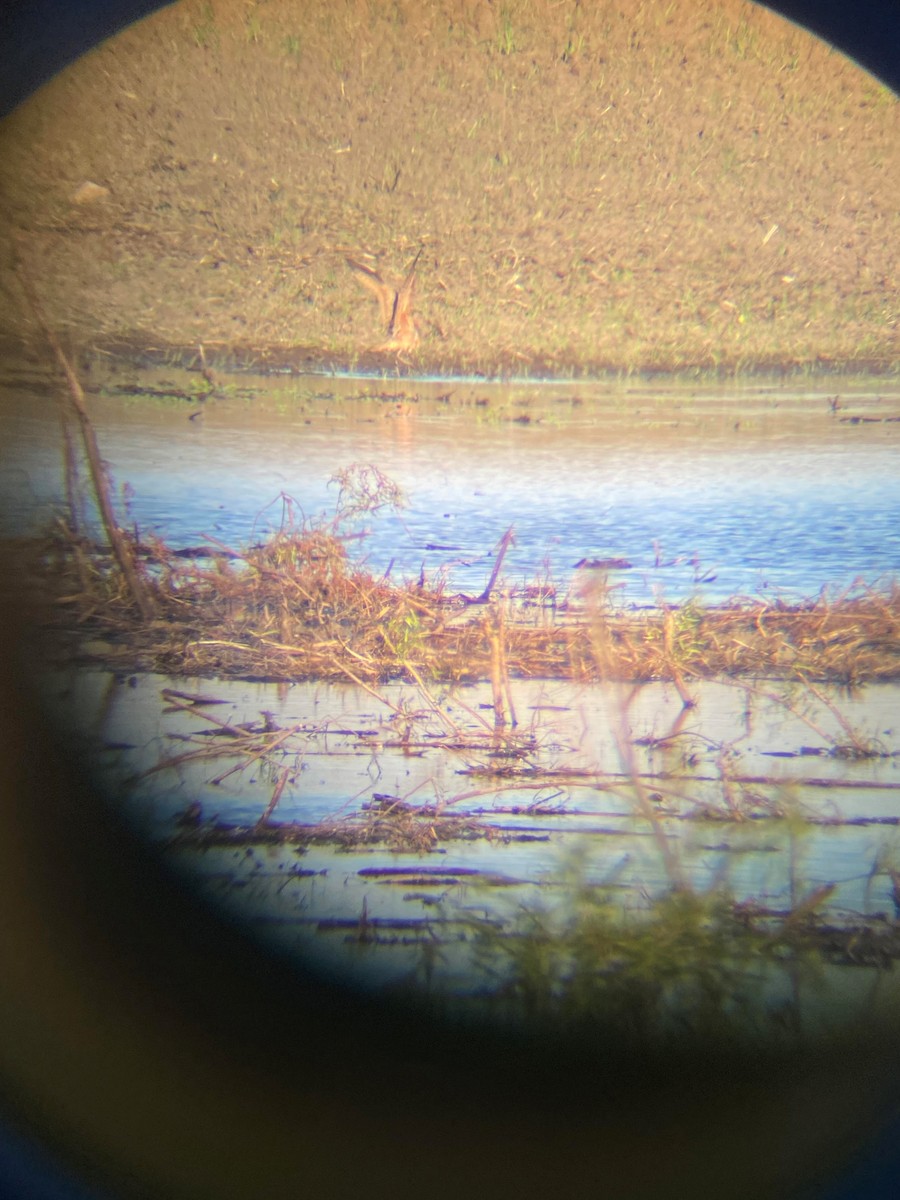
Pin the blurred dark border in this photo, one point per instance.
(39, 37)
(866, 30)
(402, 1094)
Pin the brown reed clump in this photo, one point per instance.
(297, 608)
(404, 829)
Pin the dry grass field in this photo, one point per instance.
(613, 186)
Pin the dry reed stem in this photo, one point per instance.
(119, 543)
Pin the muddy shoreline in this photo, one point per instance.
(141, 351)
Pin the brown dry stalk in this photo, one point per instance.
(497, 671)
(276, 796)
(118, 542)
(643, 805)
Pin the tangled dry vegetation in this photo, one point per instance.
(297, 607)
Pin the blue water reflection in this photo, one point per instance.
(698, 507)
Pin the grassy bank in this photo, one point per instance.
(610, 186)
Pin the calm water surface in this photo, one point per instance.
(756, 490)
(774, 746)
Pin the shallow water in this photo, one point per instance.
(713, 492)
(760, 489)
(752, 795)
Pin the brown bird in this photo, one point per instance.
(395, 305)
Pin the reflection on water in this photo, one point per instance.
(758, 490)
(399, 841)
